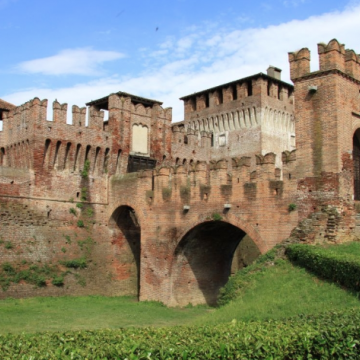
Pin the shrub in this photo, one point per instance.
(83, 195)
(327, 336)
(87, 243)
(8, 245)
(341, 268)
(40, 281)
(8, 268)
(73, 211)
(80, 224)
(68, 239)
(216, 217)
(58, 281)
(89, 212)
(75, 263)
(85, 171)
(79, 205)
(292, 207)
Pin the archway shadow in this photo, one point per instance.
(126, 239)
(203, 262)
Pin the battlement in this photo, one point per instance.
(223, 170)
(186, 183)
(332, 56)
(244, 92)
(35, 112)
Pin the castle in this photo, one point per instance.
(167, 211)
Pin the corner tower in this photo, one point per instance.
(327, 119)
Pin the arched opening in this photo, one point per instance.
(106, 160)
(56, 157)
(46, 152)
(67, 151)
(205, 258)
(77, 156)
(356, 161)
(97, 152)
(125, 240)
(118, 163)
(2, 156)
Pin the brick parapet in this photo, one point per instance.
(27, 135)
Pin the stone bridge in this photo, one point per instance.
(184, 226)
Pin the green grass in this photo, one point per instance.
(88, 312)
(350, 248)
(276, 291)
(282, 291)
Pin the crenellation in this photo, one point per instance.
(331, 56)
(59, 112)
(299, 63)
(352, 64)
(227, 94)
(201, 102)
(78, 116)
(265, 166)
(96, 118)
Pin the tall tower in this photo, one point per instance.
(327, 123)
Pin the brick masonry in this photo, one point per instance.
(218, 197)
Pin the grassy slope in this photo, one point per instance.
(282, 291)
(274, 292)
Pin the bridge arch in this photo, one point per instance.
(205, 256)
(125, 238)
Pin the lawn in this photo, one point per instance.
(350, 248)
(88, 312)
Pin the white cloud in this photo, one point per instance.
(82, 61)
(213, 57)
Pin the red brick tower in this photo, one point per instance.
(327, 116)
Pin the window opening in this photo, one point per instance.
(234, 92)
(249, 88)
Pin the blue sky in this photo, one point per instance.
(77, 51)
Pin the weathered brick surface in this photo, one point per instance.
(219, 195)
(327, 111)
